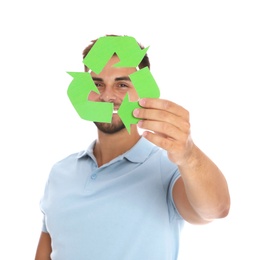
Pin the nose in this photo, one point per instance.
(107, 95)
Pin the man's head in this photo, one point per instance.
(113, 84)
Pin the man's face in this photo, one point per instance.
(113, 84)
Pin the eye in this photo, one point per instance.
(98, 84)
(122, 85)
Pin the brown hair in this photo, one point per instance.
(144, 62)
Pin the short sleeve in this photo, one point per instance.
(170, 174)
(44, 229)
(173, 211)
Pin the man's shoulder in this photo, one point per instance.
(70, 158)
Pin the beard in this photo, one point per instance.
(110, 128)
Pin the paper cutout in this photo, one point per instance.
(130, 55)
(78, 90)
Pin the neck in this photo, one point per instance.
(110, 146)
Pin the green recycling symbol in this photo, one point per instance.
(130, 55)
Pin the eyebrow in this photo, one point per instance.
(116, 79)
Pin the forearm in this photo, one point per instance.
(44, 247)
(205, 186)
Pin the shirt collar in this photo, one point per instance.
(88, 152)
(137, 154)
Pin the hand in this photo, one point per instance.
(168, 127)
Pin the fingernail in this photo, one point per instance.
(142, 102)
(140, 123)
(136, 112)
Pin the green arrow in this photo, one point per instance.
(126, 112)
(145, 86)
(144, 83)
(78, 91)
(127, 49)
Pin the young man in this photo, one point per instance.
(127, 196)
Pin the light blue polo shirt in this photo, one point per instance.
(122, 210)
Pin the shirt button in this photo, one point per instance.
(93, 176)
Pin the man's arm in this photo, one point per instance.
(201, 194)
(44, 247)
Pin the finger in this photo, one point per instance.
(153, 114)
(162, 104)
(162, 116)
(163, 128)
(167, 144)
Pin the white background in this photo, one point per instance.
(208, 56)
